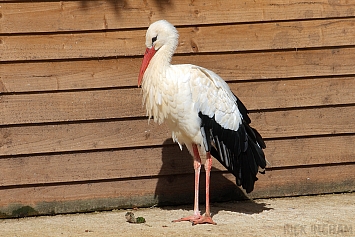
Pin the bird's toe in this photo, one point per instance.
(189, 218)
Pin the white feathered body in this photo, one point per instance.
(175, 94)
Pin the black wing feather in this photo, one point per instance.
(240, 152)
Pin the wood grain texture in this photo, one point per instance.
(127, 103)
(137, 133)
(161, 161)
(307, 122)
(300, 93)
(71, 106)
(81, 136)
(310, 151)
(101, 15)
(302, 181)
(173, 190)
(231, 38)
(69, 75)
(122, 72)
(73, 133)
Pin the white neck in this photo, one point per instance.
(158, 65)
(154, 78)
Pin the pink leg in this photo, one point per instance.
(206, 219)
(197, 168)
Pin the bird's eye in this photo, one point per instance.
(154, 39)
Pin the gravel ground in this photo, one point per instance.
(323, 215)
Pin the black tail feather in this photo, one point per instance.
(240, 152)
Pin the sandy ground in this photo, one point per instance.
(325, 215)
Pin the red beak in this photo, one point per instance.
(148, 55)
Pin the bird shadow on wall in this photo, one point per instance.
(175, 185)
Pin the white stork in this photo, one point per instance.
(201, 111)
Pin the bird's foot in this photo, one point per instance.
(205, 219)
(189, 218)
(197, 219)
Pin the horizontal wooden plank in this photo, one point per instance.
(265, 36)
(296, 93)
(274, 65)
(71, 106)
(113, 194)
(176, 189)
(165, 160)
(64, 106)
(310, 151)
(81, 45)
(125, 103)
(132, 133)
(27, 17)
(305, 181)
(68, 75)
(317, 121)
(239, 37)
(79, 137)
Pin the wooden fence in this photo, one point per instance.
(73, 132)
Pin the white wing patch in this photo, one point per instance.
(213, 97)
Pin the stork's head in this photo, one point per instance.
(160, 35)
